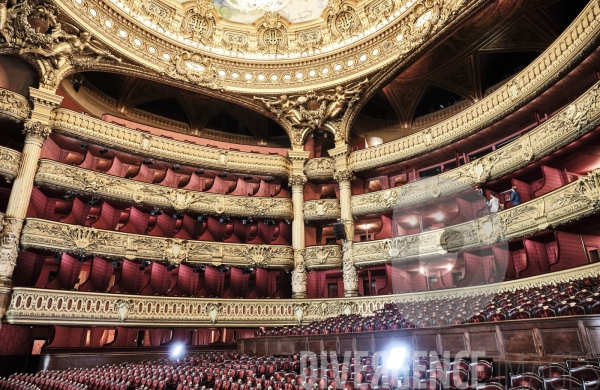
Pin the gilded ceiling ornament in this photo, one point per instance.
(342, 20)
(194, 68)
(199, 22)
(312, 111)
(55, 44)
(159, 13)
(272, 35)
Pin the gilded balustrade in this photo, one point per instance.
(44, 234)
(14, 106)
(575, 120)
(571, 202)
(87, 182)
(39, 306)
(137, 142)
(531, 82)
(9, 163)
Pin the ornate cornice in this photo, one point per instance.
(580, 117)
(102, 309)
(567, 51)
(39, 233)
(118, 137)
(321, 209)
(13, 105)
(9, 163)
(319, 168)
(83, 181)
(571, 202)
(323, 257)
(349, 43)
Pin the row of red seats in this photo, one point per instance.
(13, 384)
(49, 382)
(156, 172)
(578, 297)
(158, 223)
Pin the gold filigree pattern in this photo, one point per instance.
(319, 168)
(13, 105)
(322, 257)
(543, 72)
(87, 182)
(9, 163)
(580, 117)
(321, 209)
(107, 134)
(571, 202)
(38, 233)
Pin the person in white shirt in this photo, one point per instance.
(494, 203)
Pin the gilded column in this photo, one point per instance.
(297, 181)
(36, 130)
(344, 178)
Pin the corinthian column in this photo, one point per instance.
(344, 178)
(297, 181)
(36, 130)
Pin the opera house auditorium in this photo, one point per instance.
(299, 195)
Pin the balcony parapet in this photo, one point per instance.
(323, 257)
(136, 142)
(321, 209)
(9, 163)
(319, 168)
(575, 120)
(14, 106)
(103, 309)
(528, 84)
(86, 182)
(81, 240)
(566, 204)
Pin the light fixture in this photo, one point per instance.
(177, 350)
(438, 216)
(413, 220)
(396, 358)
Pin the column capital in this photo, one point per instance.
(36, 131)
(343, 176)
(44, 102)
(297, 181)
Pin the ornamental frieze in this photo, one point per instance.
(313, 111)
(575, 120)
(566, 204)
(322, 209)
(136, 142)
(56, 236)
(339, 45)
(322, 257)
(57, 48)
(13, 105)
(319, 168)
(566, 52)
(84, 181)
(9, 163)
(103, 309)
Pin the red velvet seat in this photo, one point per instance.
(563, 382)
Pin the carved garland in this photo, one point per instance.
(83, 181)
(62, 237)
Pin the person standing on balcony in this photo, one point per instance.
(515, 197)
